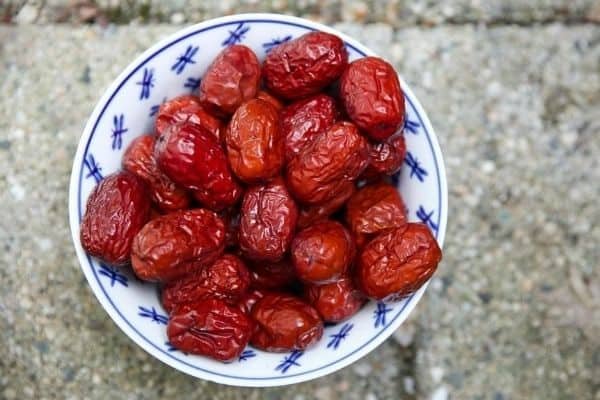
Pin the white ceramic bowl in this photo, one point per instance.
(170, 68)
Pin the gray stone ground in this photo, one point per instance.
(514, 310)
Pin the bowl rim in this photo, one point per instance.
(74, 206)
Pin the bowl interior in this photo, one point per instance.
(174, 67)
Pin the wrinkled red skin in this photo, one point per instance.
(255, 145)
(303, 120)
(210, 328)
(371, 94)
(231, 79)
(192, 158)
(175, 244)
(335, 301)
(322, 252)
(272, 275)
(269, 98)
(285, 323)
(305, 65)
(335, 157)
(115, 212)
(246, 304)
(139, 160)
(186, 108)
(386, 157)
(311, 214)
(396, 264)
(226, 279)
(267, 222)
(374, 209)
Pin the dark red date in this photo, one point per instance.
(267, 222)
(372, 97)
(396, 264)
(269, 98)
(231, 79)
(210, 328)
(186, 108)
(115, 212)
(246, 304)
(335, 157)
(322, 252)
(386, 157)
(191, 157)
(374, 209)
(175, 244)
(303, 120)
(139, 160)
(226, 279)
(285, 323)
(305, 65)
(254, 142)
(335, 301)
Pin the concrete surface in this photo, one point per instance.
(513, 312)
(397, 13)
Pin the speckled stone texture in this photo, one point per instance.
(397, 13)
(513, 311)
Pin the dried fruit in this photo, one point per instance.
(267, 222)
(269, 98)
(226, 279)
(396, 264)
(277, 275)
(186, 108)
(305, 65)
(192, 157)
(303, 120)
(386, 157)
(139, 160)
(116, 210)
(284, 323)
(335, 157)
(374, 209)
(210, 328)
(322, 252)
(175, 244)
(371, 94)
(254, 142)
(335, 301)
(231, 79)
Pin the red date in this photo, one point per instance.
(374, 209)
(231, 79)
(116, 210)
(173, 245)
(254, 142)
(284, 323)
(226, 279)
(322, 252)
(305, 65)
(186, 108)
(335, 157)
(210, 328)
(305, 119)
(267, 222)
(335, 301)
(191, 157)
(396, 264)
(386, 157)
(371, 94)
(139, 160)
